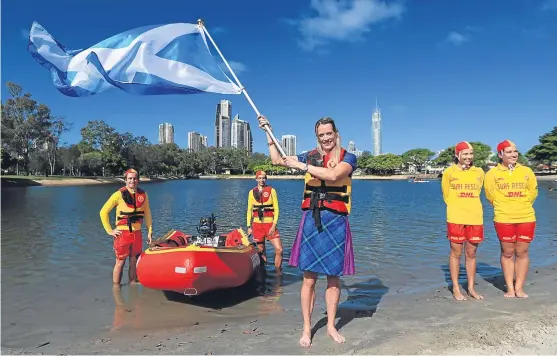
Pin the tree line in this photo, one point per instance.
(32, 144)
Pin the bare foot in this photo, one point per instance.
(521, 294)
(305, 340)
(333, 333)
(458, 295)
(510, 294)
(472, 292)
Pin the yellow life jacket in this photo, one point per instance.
(131, 207)
(262, 208)
(320, 195)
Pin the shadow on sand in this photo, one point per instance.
(362, 301)
(490, 274)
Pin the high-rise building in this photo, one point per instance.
(223, 124)
(249, 138)
(376, 130)
(351, 147)
(196, 141)
(241, 134)
(166, 133)
(289, 144)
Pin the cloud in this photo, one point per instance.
(343, 20)
(237, 67)
(457, 38)
(549, 5)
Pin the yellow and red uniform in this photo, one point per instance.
(132, 207)
(461, 192)
(263, 208)
(512, 194)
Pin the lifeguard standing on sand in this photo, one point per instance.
(323, 243)
(461, 185)
(263, 208)
(132, 207)
(512, 189)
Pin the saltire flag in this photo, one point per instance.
(150, 60)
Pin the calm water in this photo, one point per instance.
(57, 260)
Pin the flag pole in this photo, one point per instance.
(244, 91)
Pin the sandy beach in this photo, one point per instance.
(431, 322)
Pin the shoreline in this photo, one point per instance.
(430, 322)
(12, 181)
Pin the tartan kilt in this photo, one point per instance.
(330, 251)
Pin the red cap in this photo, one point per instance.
(464, 145)
(260, 173)
(501, 146)
(131, 170)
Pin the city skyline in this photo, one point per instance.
(240, 133)
(438, 65)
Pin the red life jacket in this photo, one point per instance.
(261, 209)
(132, 210)
(319, 195)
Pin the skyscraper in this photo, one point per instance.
(196, 141)
(241, 134)
(289, 144)
(166, 133)
(223, 124)
(376, 130)
(351, 147)
(249, 137)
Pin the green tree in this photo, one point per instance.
(385, 164)
(52, 141)
(546, 151)
(25, 125)
(417, 157)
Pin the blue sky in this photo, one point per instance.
(442, 71)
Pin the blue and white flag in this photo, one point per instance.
(150, 60)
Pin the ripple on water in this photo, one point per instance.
(57, 266)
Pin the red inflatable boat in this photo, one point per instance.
(193, 265)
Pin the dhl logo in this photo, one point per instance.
(466, 195)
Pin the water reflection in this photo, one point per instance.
(53, 242)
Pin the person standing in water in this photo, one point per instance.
(512, 189)
(323, 243)
(263, 208)
(132, 207)
(461, 185)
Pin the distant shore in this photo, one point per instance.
(28, 181)
(53, 181)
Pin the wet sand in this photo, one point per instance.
(428, 323)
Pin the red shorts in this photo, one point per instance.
(522, 232)
(260, 232)
(458, 233)
(128, 243)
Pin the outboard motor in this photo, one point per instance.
(207, 226)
